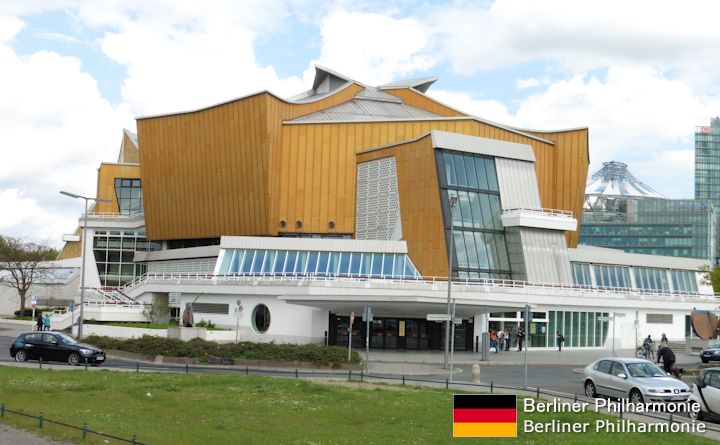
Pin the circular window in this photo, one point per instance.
(261, 318)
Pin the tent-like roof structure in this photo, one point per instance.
(614, 179)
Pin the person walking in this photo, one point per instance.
(40, 325)
(493, 340)
(501, 339)
(46, 321)
(560, 339)
(664, 341)
(507, 339)
(520, 336)
(668, 358)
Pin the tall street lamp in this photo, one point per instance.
(82, 264)
(452, 202)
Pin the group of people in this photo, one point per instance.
(500, 339)
(664, 354)
(43, 323)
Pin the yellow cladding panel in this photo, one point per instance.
(301, 193)
(419, 100)
(420, 210)
(106, 184)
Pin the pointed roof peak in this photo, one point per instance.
(614, 179)
(421, 84)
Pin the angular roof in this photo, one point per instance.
(614, 179)
(421, 84)
(365, 109)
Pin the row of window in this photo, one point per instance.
(645, 278)
(476, 210)
(478, 250)
(292, 262)
(466, 170)
(114, 251)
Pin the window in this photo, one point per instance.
(129, 196)
(261, 318)
(659, 318)
(211, 308)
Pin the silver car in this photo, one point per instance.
(637, 379)
(706, 394)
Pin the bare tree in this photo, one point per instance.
(21, 264)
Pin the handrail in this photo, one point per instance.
(543, 211)
(428, 281)
(108, 215)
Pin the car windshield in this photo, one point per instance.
(644, 370)
(66, 339)
(715, 346)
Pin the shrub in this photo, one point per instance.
(211, 351)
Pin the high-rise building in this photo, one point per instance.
(621, 212)
(707, 162)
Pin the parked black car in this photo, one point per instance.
(711, 354)
(54, 346)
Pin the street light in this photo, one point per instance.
(82, 264)
(452, 202)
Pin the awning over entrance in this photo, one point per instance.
(405, 306)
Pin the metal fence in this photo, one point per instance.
(85, 429)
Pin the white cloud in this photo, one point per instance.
(531, 82)
(374, 48)
(492, 110)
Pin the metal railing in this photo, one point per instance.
(85, 429)
(539, 211)
(93, 215)
(428, 282)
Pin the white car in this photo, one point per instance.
(636, 379)
(706, 393)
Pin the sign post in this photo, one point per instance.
(352, 319)
(367, 318)
(526, 318)
(238, 310)
(33, 302)
(452, 341)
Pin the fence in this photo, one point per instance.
(84, 429)
(403, 380)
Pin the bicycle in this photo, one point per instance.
(645, 352)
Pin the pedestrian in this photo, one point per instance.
(507, 339)
(40, 324)
(493, 339)
(668, 358)
(560, 339)
(664, 341)
(501, 338)
(519, 337)
(46, 321)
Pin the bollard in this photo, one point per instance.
(350, 375)
(40, 420)
(137, 367)
(477, 343)
(40, 361)
(187, 369)
(134, 439)
(296, 374)
(247, 370)
(491, 387)
(447, 383)
(621, 412)
(476, 374)
(361, 375)
(537, 393)
(575, 398)
(2, 410)
(85, 363)
(85, 430)
(670, 420)
(403, 384)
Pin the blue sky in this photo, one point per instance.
(76, 72)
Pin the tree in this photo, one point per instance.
(711, 277)
(21, 264)
(158, 310)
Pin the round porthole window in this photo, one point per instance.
(261, 318)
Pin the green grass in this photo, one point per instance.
(219, 409)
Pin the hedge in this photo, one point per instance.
(210, 351)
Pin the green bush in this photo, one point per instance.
(211, 351)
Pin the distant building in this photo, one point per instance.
(621, 212)
(707, 162)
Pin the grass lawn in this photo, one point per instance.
(217, 409)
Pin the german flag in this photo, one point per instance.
(484, 415)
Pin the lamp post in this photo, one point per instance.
(452, 202)
(82, 264)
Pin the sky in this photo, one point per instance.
(73, 73)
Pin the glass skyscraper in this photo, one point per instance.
(707, 162)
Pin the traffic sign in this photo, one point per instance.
(174, 299)
(33, 300)
(367, 314)
(438, 317)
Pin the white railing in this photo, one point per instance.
(429, 282)
(542, 211)
(136, 215)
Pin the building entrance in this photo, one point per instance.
(398, 333)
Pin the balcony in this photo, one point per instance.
(539, 218)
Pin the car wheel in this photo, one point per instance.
(74, 359)
(21, 356)
(704, 360)
(699, 415)
(590, 389)
(636, 396)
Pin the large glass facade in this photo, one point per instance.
(707, 162)
(478, 235)
(129, 196)
(316, 263)
(114, 251)
(612, 276)
(646, 278)
(580, 329)
(669, 227)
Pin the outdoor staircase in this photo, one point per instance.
(110, 296)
